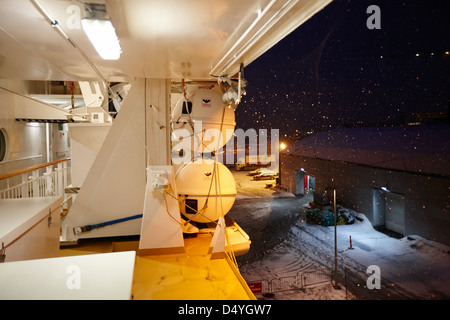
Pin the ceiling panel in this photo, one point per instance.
(160, 39)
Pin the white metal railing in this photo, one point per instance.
(49, 179)
(295, 282)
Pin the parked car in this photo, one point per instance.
(265, 174)
(261, 171)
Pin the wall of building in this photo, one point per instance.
(29, 143)
(426, 197)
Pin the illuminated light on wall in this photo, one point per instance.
(103, 37)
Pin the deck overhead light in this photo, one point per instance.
(103, 37)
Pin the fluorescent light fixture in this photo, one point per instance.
(384, 189)
(103, 37)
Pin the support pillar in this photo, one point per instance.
(161, 231)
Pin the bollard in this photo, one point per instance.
(350, 248)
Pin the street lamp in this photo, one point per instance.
(282, 146)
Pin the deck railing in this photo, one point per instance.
(49, 179)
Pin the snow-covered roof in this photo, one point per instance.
(424, 149)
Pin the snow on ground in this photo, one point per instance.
(284, 244)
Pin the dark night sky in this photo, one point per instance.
(333, 71)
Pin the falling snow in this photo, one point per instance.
(333, 72)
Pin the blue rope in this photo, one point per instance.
(108, 223)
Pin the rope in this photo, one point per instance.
(167, 206)
(83, 229)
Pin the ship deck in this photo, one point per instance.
(191, 275)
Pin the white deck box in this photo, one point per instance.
(29, 228)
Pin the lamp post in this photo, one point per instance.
(282, 146)
(335, 239)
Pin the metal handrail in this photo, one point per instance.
(26, 170)
(31, 183)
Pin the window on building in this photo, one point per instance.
(2, 144)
